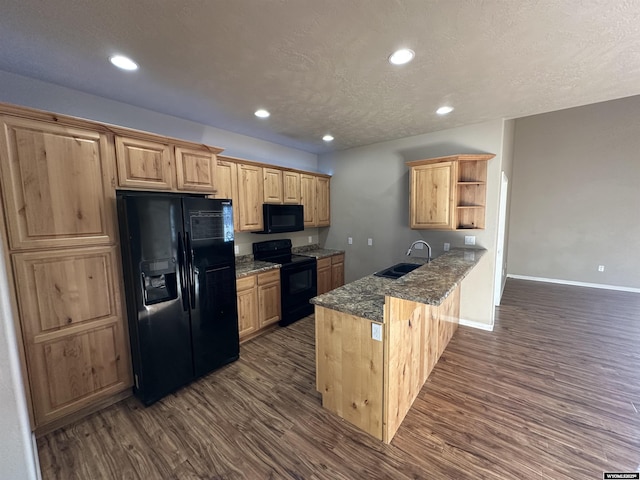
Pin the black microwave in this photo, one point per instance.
(282, 218)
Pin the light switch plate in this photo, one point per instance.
(447, 246)
(370, 242)
(236, 249)
(310, 239)
(469, 239)
(376, 331)
(350, 240)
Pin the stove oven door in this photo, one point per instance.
(298, 286)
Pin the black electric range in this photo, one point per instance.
(298, 278)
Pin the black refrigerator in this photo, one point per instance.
(179, 272)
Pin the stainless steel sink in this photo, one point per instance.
(397, 270)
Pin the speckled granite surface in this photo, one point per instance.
(319, 252)
(305, 248)
(244, 269)
(429, 284)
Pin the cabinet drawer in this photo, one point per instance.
(245, 283)
(324, 263)
(337, 258)
(269, 277)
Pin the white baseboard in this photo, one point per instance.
(577, 284)
(478, 325)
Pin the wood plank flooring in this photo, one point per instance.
(552, 393)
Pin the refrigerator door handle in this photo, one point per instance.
(183, 277)
(192, 272)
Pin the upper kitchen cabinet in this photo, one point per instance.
(195, 170)
(143, 164)
(226, 183)
(291, 184)
(250, 197)
(308, 199)
(323, 205)
(273, 188)
(448, 193)
(57, 185)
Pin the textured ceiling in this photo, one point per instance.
(321, 65)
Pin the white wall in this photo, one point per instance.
(576, 195)
(18, 457)
(370, 199)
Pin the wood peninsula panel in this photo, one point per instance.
(56, 183)
(144, 164)
(349, 366)
(195, 170)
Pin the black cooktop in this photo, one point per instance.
(278, 251)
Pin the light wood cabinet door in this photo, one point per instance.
(71, 316)
(195, 170)
(247, 305)
(56, 183)
(323, 206)
(432, 191)
(226, 185)
(269, 298)
(291, 185)
(324, 275)
(308, 199)
(273, 191)
(250, 197)
(143, 164)
(337, 271)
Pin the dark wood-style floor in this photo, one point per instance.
(552, 393)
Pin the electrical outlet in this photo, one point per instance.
(601, 268)
(447, 246)
(350, 241)
(236, 249)
(376, 331)
(370, 242)
(310, 239)
(469, 239)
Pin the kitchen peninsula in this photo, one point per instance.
(378, 339)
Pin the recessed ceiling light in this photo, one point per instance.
(262, 113)
(402, 56)
(444, 110)
(125, 63)
(328, 138)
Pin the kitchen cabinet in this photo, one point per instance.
(324, 283)
(247, 305)
(314, 196)
(308, 199)
(330, 273)
(323, 206)
(291, 187)
(448, 193)
(74, 337)
(160, 165)
(258, 302)
(195, 170)
(337, 270)
(273, 188)
(226, 185)
(56, 184)
(250, 197)
(143, 164)
(269, 298)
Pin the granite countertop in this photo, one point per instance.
(246, 268)
(429, 284)
(315, 251)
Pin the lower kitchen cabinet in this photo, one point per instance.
(258, 302)
(330, 273)
(71, 316)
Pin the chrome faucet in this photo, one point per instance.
(428, 249)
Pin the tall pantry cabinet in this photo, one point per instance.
(58, 200)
